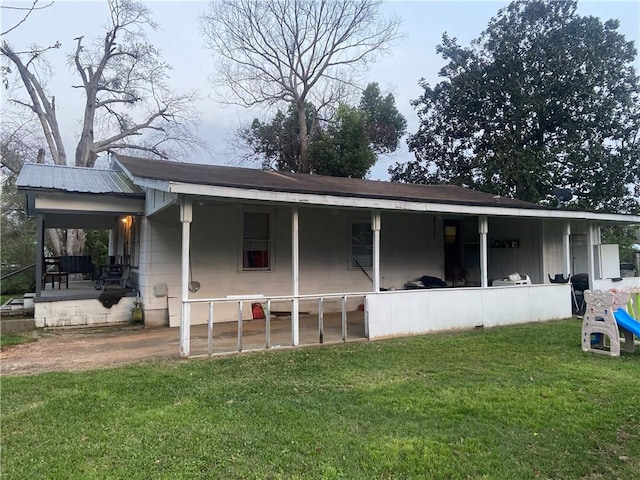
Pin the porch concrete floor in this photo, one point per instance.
(88, 348)
(78, 290)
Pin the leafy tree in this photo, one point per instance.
(385, 124)
(97, 246)
(294, 51)
(625, 237)
(543, 98)
(17, 236)
(277, 143)
(344, 149)
(376, 126)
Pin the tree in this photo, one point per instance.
(385, 124)
(17, 236)
(344, 149)
(277, 143)
(128, 106)
(375, 126)
(543, 98)
(122, 77)
(294, 51)
(25, 10)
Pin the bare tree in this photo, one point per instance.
(295, 51)
(26, 11)
(128, 106)
(127, 102)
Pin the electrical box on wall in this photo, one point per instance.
(607, 261)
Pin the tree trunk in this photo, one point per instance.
(303, 136)
(66, 242)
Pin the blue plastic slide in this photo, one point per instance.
(627, 322)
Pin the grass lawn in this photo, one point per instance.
(11, 340)
(506, 403)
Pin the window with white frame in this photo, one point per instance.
(361, 244)
(256, 240)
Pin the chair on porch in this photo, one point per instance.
(113, 275)
(559, 278)
(53, 272)
(579, 283)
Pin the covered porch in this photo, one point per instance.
(207, 242)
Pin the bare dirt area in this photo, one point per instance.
(88, 348)
(76, 349)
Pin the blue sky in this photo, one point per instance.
(413, 57)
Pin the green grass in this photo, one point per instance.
(515, 402)
(5, 298)
(11, 340)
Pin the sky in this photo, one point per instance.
(182, 44)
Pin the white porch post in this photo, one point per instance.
(591, 242)
(39, 253)
(295, 277)
(186, 211)
(375, 226)
(483, 230)
(567, 249)
(111, 249)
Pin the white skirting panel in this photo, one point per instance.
(414, 312)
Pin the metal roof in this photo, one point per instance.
(37, 176)
(249, 178)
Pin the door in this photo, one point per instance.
(452, 248)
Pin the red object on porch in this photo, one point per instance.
(256, 311)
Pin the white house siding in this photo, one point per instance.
(552, 248)
(525, 259)
(411, 246)
(160, 249)
(392, 314)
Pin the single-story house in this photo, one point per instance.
(199, 239)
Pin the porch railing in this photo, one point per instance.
(268, 301)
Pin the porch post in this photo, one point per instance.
(39, 253)
(567, 249)
(591, 234)
(483, 230)
(375, 226)
(295, 277)
(185, 320)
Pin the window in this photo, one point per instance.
(361, 244)
(256, 241)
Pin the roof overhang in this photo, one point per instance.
(250, 185)
(77, 210)
(383, 204)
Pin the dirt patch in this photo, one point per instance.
(88, 348)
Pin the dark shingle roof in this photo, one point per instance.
(75, 179)
(247, 178)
